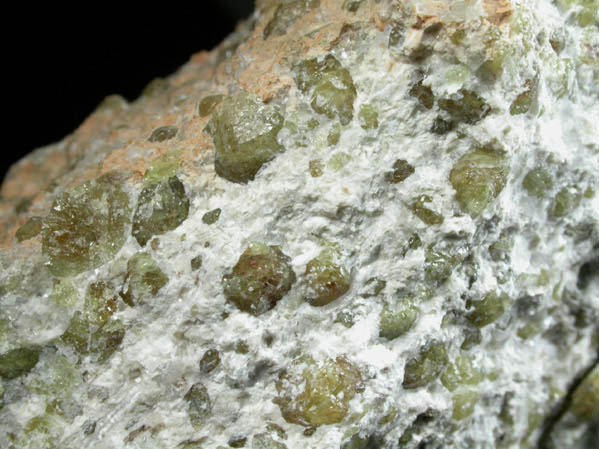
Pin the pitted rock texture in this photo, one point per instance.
(354, 224)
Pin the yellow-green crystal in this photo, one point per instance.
(465, 106)
(463, 404)
(86, 226)
(208, 104)
(538, 182)
(30, 229)
(161, 208)
(327, 280)
(18, 362)
(478, 178)
(402, 170)
(199, 405)
(314, 393)
(144, 279)
(163, 133)
(331, 86)
(426, 366)
(245, 137)
(259, 279)
(487, 310)
(211, 217)
(425, 214)
(369, 117)
(396, 319)
(286, 14)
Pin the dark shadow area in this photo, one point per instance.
(60, 62)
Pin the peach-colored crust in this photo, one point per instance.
(118, 139)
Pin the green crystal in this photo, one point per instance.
(332, 87)
(369, 117)
(402, 170)
(426, 366)
(18, 362)
(424, 94)
(338, 161)
(538, 182)
(585, 400)
(523, 102)
(425, 214)
(327, 280)
(334, 135)
(259, 279)
(162, 168)
(565, 202)
(442, 126)
(208, 104)
(438, 266)
(397, 319)
(460, 373)
(86, 226)
(487, 310)
(196, 263)
(100, 304)
(245, 136)
(161, 208)
(466, 107)
(30, 229)
(316, 168)
(199, 406)
(313, 394)
(373, 287)
(211, 217)
(478, 178)
(286, 14)
(87, 338)
(163, 133)
(112, 103)
(209, 361)
(463, 404)
(42, 432)
(155, 88)
(144, 279)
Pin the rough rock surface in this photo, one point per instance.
(355, 224)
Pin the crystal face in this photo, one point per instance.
(86, 226)
(245, 137)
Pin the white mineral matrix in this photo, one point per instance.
(359, 224)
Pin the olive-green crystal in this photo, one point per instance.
(326, 279)
(478, 178)
(397, 319)
(426, 214)
(87, 338)
(209, 361)
(143, 281)
(369, 117)
(286, 14)
(330, 85)
(161, 207)
(424, 94)
(314, 393)
(18, 362)
(163, 133)
(426, 366)
(86, 226)
(245, 137)
(208, 104)
(199, 405)
(211, 217)
(487, 310)
(466, 107)
(30, 229)
(402, 170)
(538, 182)
(259, 279)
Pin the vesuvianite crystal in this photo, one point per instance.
(427, 365)
(327, 279)
(161, 207)
(356, 224)
(86, 226)
(17, 362)
(478, 178)
(245, 133)
(143, 281)
(330, 86)
(314, 393)
(261, 277)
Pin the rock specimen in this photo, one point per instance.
(354, 224)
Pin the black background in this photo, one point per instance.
(60, 62)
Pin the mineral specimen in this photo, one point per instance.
(356, 224)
